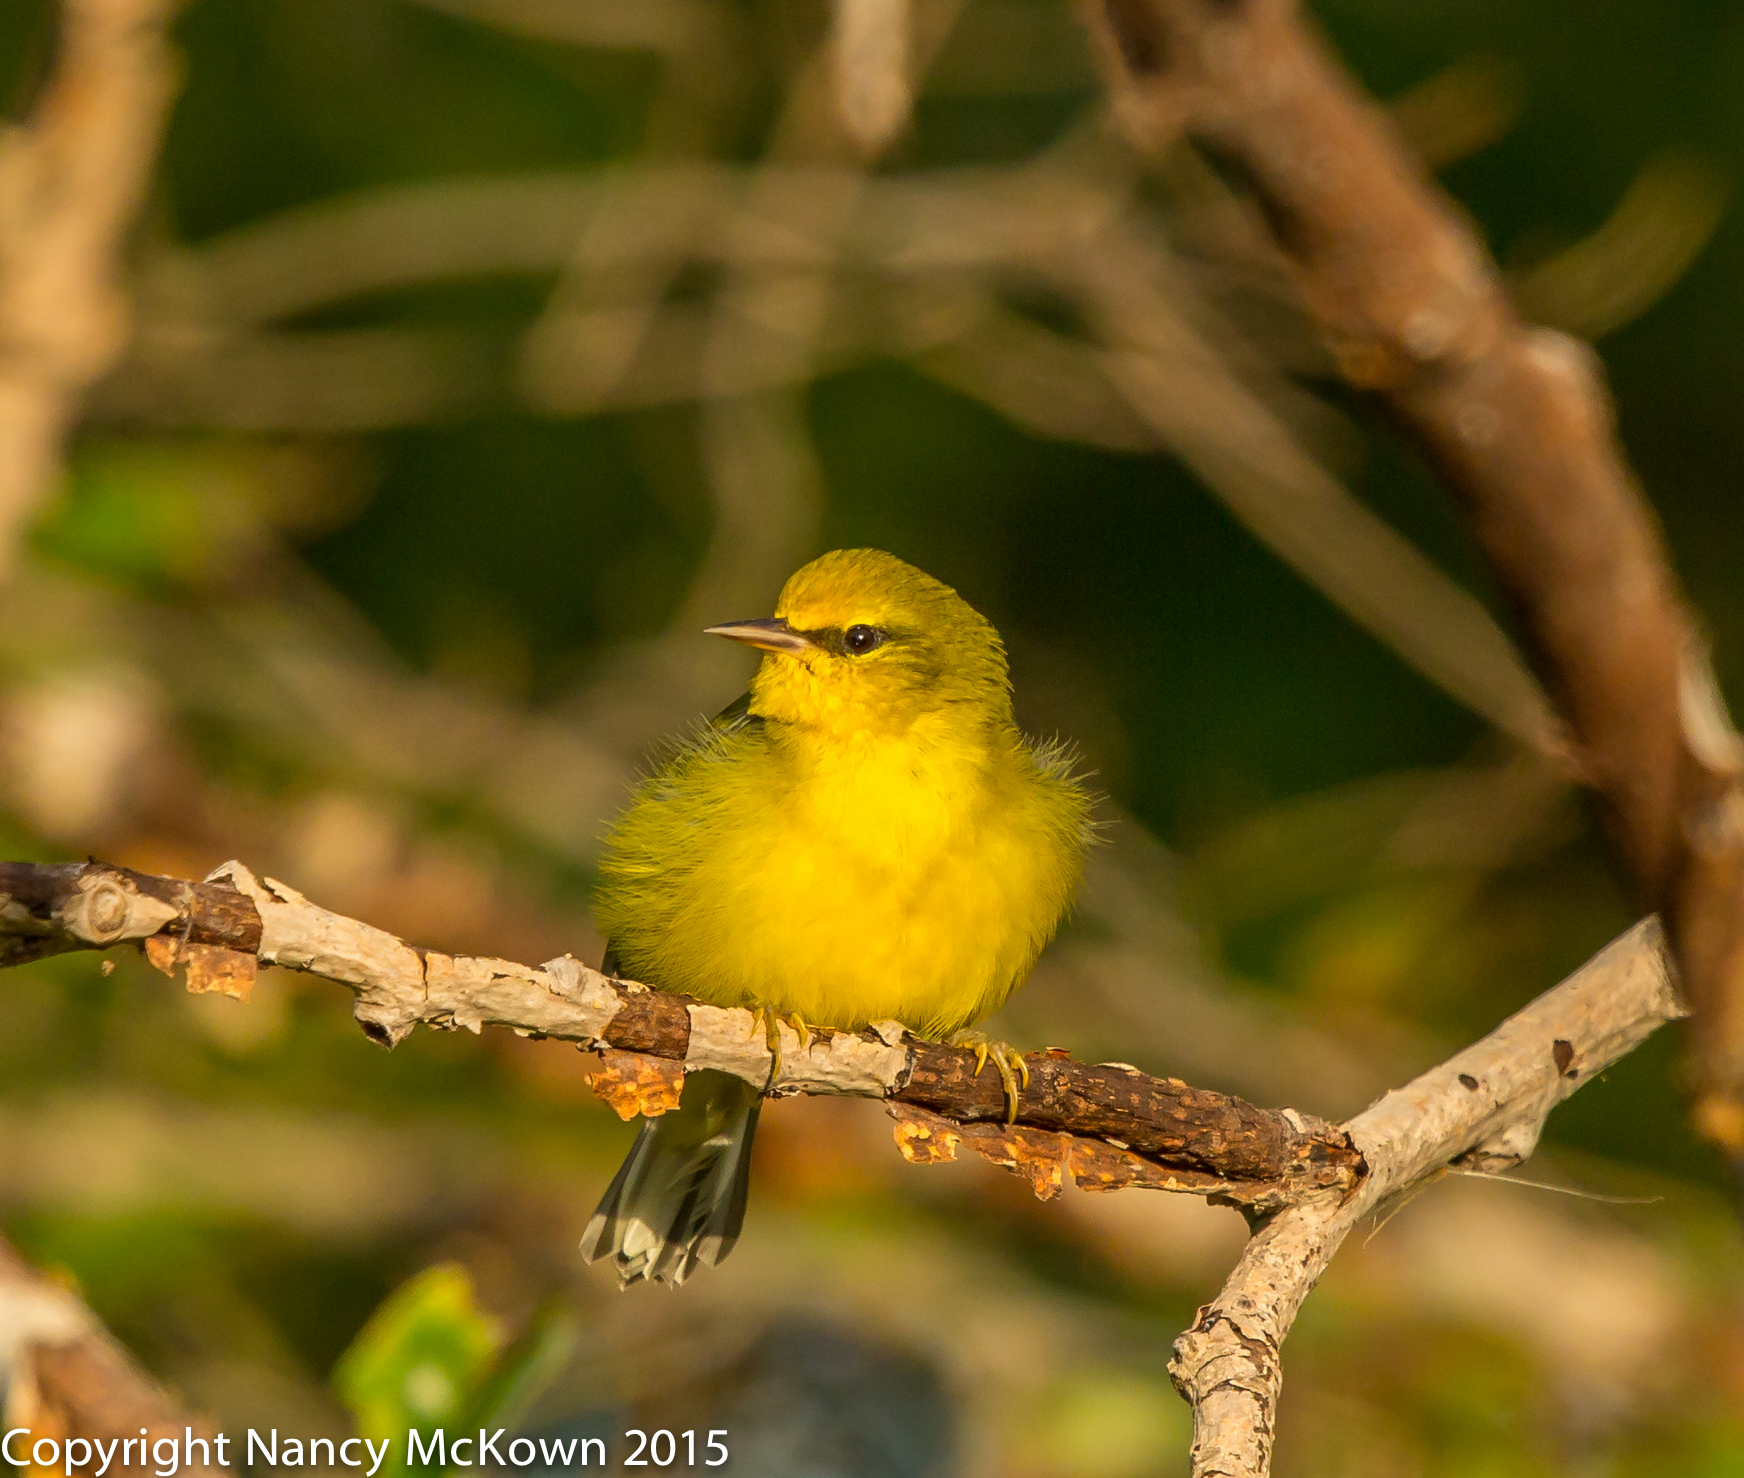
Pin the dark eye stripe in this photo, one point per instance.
(856, 641)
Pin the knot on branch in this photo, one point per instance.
(1216, 1350)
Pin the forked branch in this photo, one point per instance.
(1103, 1125)
(1482, 1110)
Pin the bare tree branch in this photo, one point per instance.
(871, 56)
(1152, 1131)
(218, 931)
(71, 180)
(1103, 1126)
(1517, 421)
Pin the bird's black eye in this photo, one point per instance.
(859, 640)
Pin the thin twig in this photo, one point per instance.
(871, 63)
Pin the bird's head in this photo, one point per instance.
(862, 642)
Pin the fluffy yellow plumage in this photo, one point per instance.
(865, 837)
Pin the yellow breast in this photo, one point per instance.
(913, 879)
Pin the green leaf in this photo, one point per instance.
(423, 1360)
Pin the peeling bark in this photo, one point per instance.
(1190, 1139)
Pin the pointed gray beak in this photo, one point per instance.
(774, 635)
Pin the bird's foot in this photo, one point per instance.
(1005, 1058)
(767, 1022)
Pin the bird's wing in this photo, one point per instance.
(735, 718)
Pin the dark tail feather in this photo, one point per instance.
(679, 1197)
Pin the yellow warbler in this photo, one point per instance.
(865, 836)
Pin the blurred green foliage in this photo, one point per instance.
(430, 1358)
(422, 1360)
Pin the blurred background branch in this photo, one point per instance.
(63, 1377)
(1519, 423)
(72, 177)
